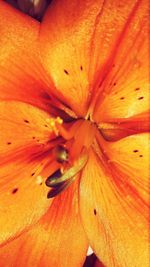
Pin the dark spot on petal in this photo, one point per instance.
(46, 125)
(140, 156)
(114, 84)
(14, 191)
(26, 121)
(8, 143)
(141, 97)
(121, 98)
(95, 212)
(137, 89)
(65, 71)
(81, 68)
(33, 137)
(32, 174)
(135, 151)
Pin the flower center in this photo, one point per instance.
(71, 153)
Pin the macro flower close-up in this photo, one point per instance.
(74, 134)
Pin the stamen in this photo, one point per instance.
(59, 120)
(58, 189)
(71, 155)
(69, 132)
(61, 154)
(56, 175)
(53, 124)
(53, 181)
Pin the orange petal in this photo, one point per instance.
(130, 158)
(24, 152)
(22, 126)
(21, 75)
(78, 44)
(119, 128)
(58, 240)
(113, 202)
(123, 92)
(65, 41)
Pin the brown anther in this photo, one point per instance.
(61, 154)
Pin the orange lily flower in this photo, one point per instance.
(74, 134)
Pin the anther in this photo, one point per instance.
(53, 122)
(56, 175)
(58, 189)
(61, 154)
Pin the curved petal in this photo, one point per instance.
(78, 41)
(25, 158)
(113, 202)
(119, 128)
(21, 74)
(58, 240)
(124, 91)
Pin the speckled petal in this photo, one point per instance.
(114, 202)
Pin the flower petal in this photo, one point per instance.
(113, 202)
(130, 157)
(123, 92)
(58, 240)
(24, 156)
(64, 36)
(21, 74)
(119, 128)
(78, 44)
(22, 126)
